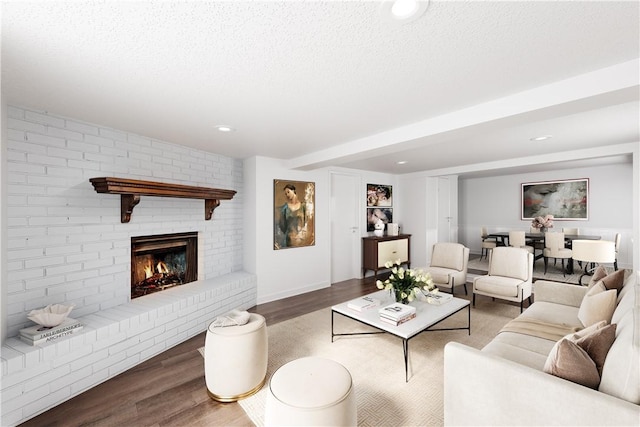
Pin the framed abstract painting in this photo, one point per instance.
(565, 200)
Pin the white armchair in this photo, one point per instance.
(448, 267)
(510, 276)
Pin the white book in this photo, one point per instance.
(52, 338)
(438, 298)
(363, 303)
(397, 322)
(37, 332)
(397, 311)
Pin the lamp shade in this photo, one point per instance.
(593, 251)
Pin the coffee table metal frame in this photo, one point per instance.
(427, 316)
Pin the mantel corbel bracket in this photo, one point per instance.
(130, 191)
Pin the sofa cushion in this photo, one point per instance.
(554, 313)
(520, 354)
(598, 304)
(567, 360)
(621, 371)
(598, 343)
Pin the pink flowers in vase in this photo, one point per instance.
(541, 222)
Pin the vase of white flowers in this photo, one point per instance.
(404, 285)
(542, 223)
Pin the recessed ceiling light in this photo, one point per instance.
(541, 138)
(225, 128)
(402, 162)
(403, 11)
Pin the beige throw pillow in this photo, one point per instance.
(598, 304)
(567, 360)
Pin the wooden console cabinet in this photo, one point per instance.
(376, 251)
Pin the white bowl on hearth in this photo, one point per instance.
(51, 315)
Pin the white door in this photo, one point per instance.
(444, 210)
(345, 227)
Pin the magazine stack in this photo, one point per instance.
(363, 303)
(396, 313)
(39, 334)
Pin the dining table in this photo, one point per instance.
(502, 237)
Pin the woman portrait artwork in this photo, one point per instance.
(293, 214)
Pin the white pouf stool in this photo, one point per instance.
(235, 359)
(311, 391)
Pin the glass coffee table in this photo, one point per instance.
(427, 316)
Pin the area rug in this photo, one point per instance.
(554, 272)
(376, 362)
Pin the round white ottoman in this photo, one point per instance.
(235, 359)
(311, 391)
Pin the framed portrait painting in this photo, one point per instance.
(293, 214)
(378, 214)
(379, 195)
(565, 200)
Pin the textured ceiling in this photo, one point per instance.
(297, 79)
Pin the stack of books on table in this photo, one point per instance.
(363, 303)
(39, 334)
(396, 313)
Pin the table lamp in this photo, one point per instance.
(593, 252)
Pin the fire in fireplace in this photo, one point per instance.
(162, 261)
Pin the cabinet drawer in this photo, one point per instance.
(393, 250)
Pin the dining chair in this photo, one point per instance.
(574, 231)
(517, 240)
(510, 276)
(487, 243)
(616, 240)
(554, 248)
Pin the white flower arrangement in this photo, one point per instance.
(406, 284)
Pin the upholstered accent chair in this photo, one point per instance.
(448, 267)
(510, 276)
(487, 243)
(554, 248)
(517, 240)
(616, 240)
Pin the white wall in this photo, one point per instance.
(495, 202)
(287, 272)
(65, 242)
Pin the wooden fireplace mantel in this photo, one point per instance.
(130, 191)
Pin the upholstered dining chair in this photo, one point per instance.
(517, 240)
(574, 231)
(510, 276)
(554, 248)
(448, 267)
(616, 240)
(487, 243)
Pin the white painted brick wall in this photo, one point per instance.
(66, 245)
(65, 241)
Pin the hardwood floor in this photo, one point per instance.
(169, 389)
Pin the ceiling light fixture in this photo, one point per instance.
(541, 138)
(403, 11)
(225, 128)
(402, 162)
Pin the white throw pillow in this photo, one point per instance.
(598, 304)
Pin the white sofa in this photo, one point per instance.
(504, 383)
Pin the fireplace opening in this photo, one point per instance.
(162, 261)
